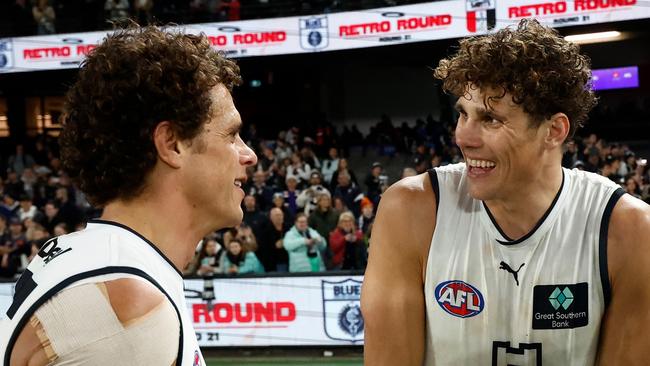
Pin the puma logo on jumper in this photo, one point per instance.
(515, 274)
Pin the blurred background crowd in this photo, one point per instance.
(310, 201)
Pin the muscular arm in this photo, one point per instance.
(131, 301)
(392, 298)
(625, 332)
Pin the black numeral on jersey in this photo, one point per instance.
(527, 354)
(24, 287)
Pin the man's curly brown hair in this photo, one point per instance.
(137, 78)
(543, 72)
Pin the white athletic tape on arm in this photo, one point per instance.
(82, 328)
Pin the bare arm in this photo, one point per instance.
(392, 298)
(625, 332)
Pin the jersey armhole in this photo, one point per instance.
(602, 244)
(81, 276)
(433, 176)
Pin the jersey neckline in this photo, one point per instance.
(539, 228)
(151, 244)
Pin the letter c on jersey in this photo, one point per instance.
(459, 298)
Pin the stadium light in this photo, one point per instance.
(594, 37)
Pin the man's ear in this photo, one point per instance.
(558, 130)
(167, 144)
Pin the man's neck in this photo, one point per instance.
(520, 212)
(176, 234)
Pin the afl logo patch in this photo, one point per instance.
(459, 298)
(197, 359)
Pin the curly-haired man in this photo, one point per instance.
(508, 259)
(152, 136)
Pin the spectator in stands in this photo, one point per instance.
(52, 216)
(35, 231)
(68, 211)
(343, 167)
(4, 231)
(632, 187)
(349, 193)
(304, 246)
(292, 136)
(593, 161)
(19, 160)
(347, 244)
(41, 153)
(28, 179)
(12, 248)
(277, 179)
(237, 260)
(44, 17)
(283, 150)
(279, 202)
(13, 186)
(60, 229)
(261, 191)
(117, 11)
(9, 206)
(367, 216)
(253, 217)
(27, 209)
(247, 237)
(339, 205)
(324, 218)
(374, 182)
(628, 165)
(307, 199)
(267, 161)
(310, 158)
(299, 168)
(210, 258)
(330, 165)
(610, 169)
(436, 160)
(291, 194)
(271, 250)
(420, 164)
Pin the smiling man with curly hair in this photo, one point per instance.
(507, 258)
(151, 135)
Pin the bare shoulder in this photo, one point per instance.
(628, 240)
(408, 211)
(628, 256)
(132, 298)
(410, 198)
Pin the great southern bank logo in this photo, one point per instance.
(459, 298)
(562, 298)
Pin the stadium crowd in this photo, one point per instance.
(305, 209)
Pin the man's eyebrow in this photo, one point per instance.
(234, 128)
(481, 111)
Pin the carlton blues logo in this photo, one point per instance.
(342, 310)
(6, 54)
(313, 33)
(459, 298)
